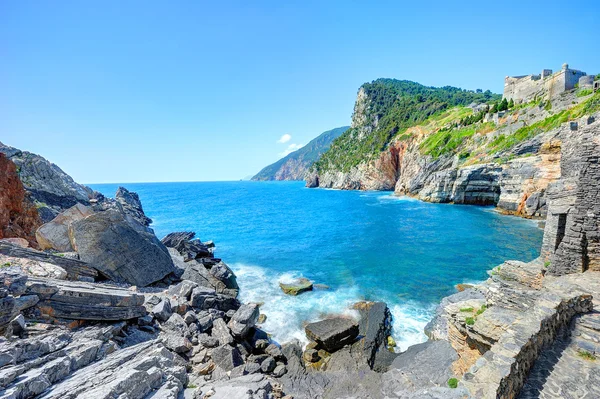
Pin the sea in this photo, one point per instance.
(359, 245)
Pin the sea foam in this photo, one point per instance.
(287, 315)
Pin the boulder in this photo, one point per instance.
(332, 334)
(162, 311)
(207, 298)
(118, 250)
(244, 319)
(221, 332)
(268, 365)
(297, 287)
(227, 357)
(55, 234)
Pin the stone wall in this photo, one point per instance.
(527, 88)
(572, 234)
(502, 371)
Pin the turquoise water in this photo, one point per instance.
(363, 245)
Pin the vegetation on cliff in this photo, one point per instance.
(391, 106)
(294, 165)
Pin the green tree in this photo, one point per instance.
(503, 105)
(511, 104)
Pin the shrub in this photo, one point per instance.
(546, 264)
(466, 309)
(584, 92)
(453, 383)
(470, 321)
(482, 309)
(586, 355)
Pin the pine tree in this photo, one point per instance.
(511, 104)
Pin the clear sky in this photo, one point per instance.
(139, 91)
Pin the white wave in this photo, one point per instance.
(287, 315)
(397, 198)
(408, 324)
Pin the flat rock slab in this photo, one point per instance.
(297, 287)
(332, 334)
(86, 301)
(76, 270)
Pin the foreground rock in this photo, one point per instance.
(55, 234)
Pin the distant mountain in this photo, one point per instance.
(295, 165)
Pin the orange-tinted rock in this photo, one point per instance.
(18, 216)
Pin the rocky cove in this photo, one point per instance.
(93, 304)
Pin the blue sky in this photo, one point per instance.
(139, 91)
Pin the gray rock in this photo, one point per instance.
(221, 332)
(274, 350)
(227, 357)
(207, 341)
(268, 365)
(132, 205)
(162, 311)
(118, 250)
(18, 325)
(332, 334)
(183, 289)
(244, 319)
(76, 270)
(252, 368)
(279, 371)
(85, 301)
(190, 317)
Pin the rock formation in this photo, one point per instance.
(52, 189)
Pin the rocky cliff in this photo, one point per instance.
(295, 165)
(51, 189)
(463, 155)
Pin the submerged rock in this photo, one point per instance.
(296, 287)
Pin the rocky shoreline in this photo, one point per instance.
(93, 304)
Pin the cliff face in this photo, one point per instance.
(18, 216)
(506, 159)
(295, 165)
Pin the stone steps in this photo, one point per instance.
(564, 370)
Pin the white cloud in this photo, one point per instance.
(285, 138)
(291, 148)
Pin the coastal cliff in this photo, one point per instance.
(295, 165)
(458, 154)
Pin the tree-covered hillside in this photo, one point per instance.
(385, 107)
(294, 165)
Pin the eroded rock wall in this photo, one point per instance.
(18, 216)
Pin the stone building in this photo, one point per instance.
(571, 241)
(545, 85)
